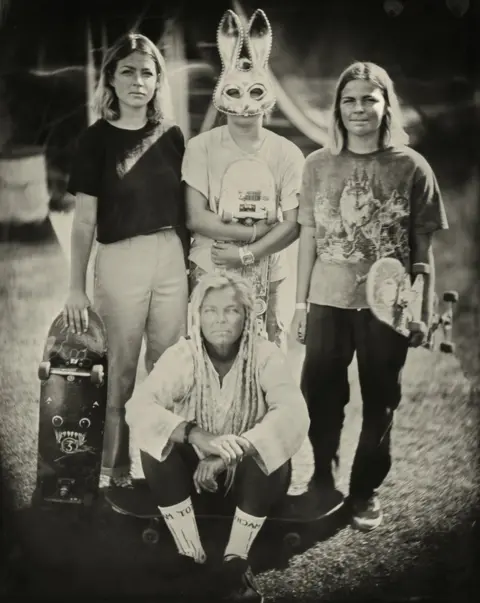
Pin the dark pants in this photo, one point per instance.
(333, 335)
(255, 493)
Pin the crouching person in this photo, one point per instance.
(220, 412)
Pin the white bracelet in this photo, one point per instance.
(300, 306)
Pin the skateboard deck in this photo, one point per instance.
(393, 298)
(247, 195)
(139, 503)
(397, 302)
(73, 395)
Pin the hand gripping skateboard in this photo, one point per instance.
(397, 302)
(73, 395)
(247, 195)
(139, 503)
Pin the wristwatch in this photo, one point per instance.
(246, 256)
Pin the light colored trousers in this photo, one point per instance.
(140, 290)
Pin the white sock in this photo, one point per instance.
(181, 522)
(245, 528)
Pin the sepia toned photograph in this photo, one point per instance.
(239, 301)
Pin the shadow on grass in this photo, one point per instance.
(101, 553)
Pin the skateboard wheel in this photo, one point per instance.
(420, 268)
(227, 216)
(97, 376)
(447, 347)
(292, 540)
(271, 216)
(150, 536)
(450, 297)
(417, 327)
(44, 370)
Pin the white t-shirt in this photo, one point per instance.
(207, 157)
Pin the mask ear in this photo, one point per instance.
(259, 38)
(229, 38)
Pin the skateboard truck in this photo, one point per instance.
(446, 322)
(96, 375)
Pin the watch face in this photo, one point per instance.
(248, 258)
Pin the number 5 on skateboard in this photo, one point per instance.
(397, 302)
(73, 395)
(248, 194)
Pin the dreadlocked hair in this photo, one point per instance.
(243, 413)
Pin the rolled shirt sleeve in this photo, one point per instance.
(292, 177)
(157, 406)
(306, 197)
(278, 436)
(428, 210)
(194, 165)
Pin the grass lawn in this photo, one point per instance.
(424, 548)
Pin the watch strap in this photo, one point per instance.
(188, 428)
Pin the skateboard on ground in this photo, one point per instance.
(139, 503)
(397, 302)
(248, 194)
(73, 397)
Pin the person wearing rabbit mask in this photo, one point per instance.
(245, 94)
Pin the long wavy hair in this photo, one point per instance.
(243, 413)
(392, 132)
(105, 101)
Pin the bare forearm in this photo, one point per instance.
(306, 259)
(423, 253)
(81, 246)
(210, 225)
(281, 236)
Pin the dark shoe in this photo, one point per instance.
(366, 513)
(237, 582)
(182, 565)
(327, 500)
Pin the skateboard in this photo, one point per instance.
(73, 397)
(397, 302)
(247, 195)
(443, 321)
(140, 504)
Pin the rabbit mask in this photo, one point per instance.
(244, 86)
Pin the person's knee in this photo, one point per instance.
(252, 482)
(382, 391)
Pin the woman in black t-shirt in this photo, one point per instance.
(127, 180)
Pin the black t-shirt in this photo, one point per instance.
(135, 175)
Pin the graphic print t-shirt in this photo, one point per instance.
(210, 155)
(364, 207)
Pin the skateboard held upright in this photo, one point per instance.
(397, 302)
(73, 398)
(248, 194)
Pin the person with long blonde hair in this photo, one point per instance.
(126, 177)
(220, 413)
(366, 196)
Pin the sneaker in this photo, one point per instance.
(237, 582)
(366, 513)
(123, 481)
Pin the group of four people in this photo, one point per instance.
(220, 409)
